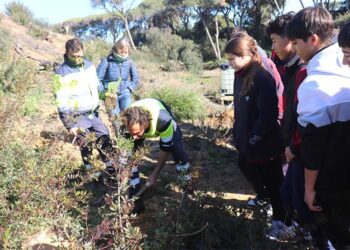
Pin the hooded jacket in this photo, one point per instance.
(109, 70)
(324, 122)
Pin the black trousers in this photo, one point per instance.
(256, 182)
(267, 175)
(337, 213)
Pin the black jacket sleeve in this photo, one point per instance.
(313, 145)
(267, 105)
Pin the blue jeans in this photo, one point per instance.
(123, 101)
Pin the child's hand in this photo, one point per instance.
(289, 155)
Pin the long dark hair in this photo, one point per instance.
(241, 44)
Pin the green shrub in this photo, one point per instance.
(171, 48)
(30, 106)
(37, 32)
(6, 42)
(341, 20)
(32, 194)
(19, 12)
(145, 56)
(190, 56)
(163, 43)
(17, 76)
(185, 103)
(96, 49)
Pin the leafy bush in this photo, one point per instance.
(184, 102)
(341, 20)
(169, 48)
(17, 76)
(19, 12)
(37, 32)
(30, 106)
(163, 43)
(190, 56)
(32, 196)
(6, 42)
(96, 49)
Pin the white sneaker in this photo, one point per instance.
(269, 211)
(279, 231)
(183, 167)
(257, 202)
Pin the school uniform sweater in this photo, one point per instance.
(256, 130)
(324, 122)
(293, 74)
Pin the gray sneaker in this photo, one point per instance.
(258, 202)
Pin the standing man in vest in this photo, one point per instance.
(75, 87)
(149, 118)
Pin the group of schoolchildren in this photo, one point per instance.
(312, 136)
(297, 113)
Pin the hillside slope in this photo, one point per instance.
(49, 48)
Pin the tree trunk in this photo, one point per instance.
(129, 34)
(209, 36)
(278, 7)
(217, 38)
(114, 36)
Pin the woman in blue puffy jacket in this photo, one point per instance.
(119, 68)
